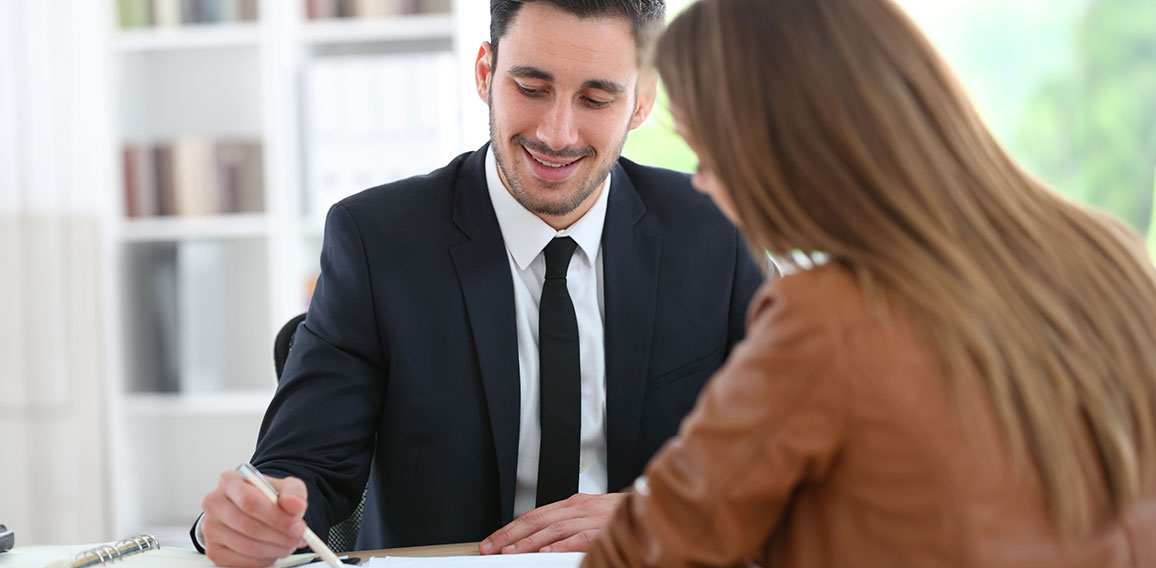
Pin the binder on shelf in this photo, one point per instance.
(362, 129)
(134, 14)
(109, 553)
(164, 323)
(373, 9)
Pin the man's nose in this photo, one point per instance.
(558, 128)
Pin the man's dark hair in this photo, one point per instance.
(646, 16)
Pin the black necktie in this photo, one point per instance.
(560, 379)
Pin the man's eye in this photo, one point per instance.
(529, 92)
(595, 103)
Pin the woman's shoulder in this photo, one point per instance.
(829, 294)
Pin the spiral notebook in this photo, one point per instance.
(140, 551)
(108, 553)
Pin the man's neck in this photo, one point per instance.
(561, 222)
(565, 221)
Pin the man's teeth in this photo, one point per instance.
(550, 164)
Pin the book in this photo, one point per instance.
(164, 184)
(228, 10)
(321, 9)
(251, 191)
(130, 156)
(167, 13)
(249, 10)
(434, 6)
(375, 9)
(145, 182)
(194, 176)
(134, 13)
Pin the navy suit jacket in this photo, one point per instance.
(404, 374)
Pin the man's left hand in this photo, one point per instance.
(565, 526)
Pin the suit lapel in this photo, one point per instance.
(630, 282)
(484, 273)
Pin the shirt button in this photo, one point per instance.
(582, 466)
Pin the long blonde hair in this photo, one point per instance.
(836, 127)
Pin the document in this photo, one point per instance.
(533, 560)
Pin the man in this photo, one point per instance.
(538, 285)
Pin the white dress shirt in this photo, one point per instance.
(526, 236)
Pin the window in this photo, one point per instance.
(1068, 86)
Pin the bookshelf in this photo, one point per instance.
(237, 124)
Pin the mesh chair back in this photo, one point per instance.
(342, 536)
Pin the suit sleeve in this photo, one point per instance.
(772, 419)
(323, 419)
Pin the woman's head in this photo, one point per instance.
(834, 126)
(825, 120)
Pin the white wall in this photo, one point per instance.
(52, 175)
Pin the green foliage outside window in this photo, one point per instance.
(1068, 85)
(655, 143)
(1091, 133)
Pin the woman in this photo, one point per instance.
(970, 380)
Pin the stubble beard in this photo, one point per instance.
(518, 185)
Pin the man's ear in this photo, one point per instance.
(484, 71)
(647, 93)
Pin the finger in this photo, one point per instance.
(294, 497)
(524, 526)
(223, 556)
(552, 534)
(246, 496)
(255, 504)
(221, 510)
(575, 543)
(219, 535)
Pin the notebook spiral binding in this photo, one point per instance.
(113, 552)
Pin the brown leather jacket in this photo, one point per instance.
(829, 439)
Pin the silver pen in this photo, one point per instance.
(250, 474)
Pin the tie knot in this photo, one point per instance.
(558, 254)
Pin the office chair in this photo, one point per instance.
(342, 536)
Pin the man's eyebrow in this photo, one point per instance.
(528, 72)
(605, 85)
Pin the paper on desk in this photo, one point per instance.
(546, 560)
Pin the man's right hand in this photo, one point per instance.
(243, 528)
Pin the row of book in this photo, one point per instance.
(372, 9)
(173, 13)
(373, 119)
(193, 176)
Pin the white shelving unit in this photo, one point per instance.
(200, 298)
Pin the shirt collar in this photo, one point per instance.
(526, 234)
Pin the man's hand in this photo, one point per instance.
(242, 527)
(565, 526)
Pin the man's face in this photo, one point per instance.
(561, 101)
